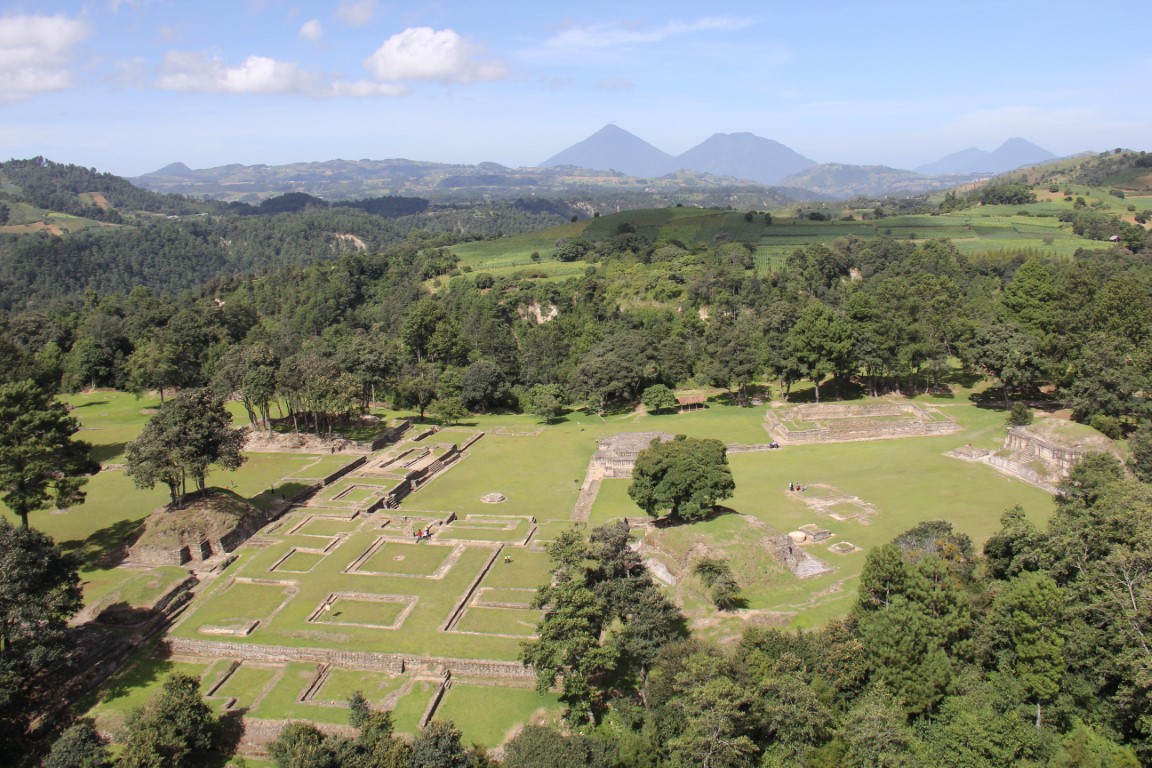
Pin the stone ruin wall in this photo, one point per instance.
(392, 663)
(1058, 458)
(853, 431)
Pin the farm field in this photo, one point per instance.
(275, 631)
(1034, 227)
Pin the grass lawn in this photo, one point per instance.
(350, 610)
(242, 602)
(514, 530)
(132, 686)
(326, 527)
(613, 502)
(377, 687)
(540, 476)
(323, 466)
(489, 714)
(410, 559)
(499, 621)
(300, 561)
(246, 684)
(528, 570)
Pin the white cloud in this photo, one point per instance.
(422, 53)
(615, 34)
(190, 71)
(184, 71)
(35, 52)
(356, 13)
(312, 30)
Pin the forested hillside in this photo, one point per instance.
(67, 229)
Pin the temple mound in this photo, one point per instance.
(209, 524)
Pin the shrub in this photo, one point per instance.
(710, 569)
(1109, 426)
(1019, 415)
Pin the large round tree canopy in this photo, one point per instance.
(685, 477)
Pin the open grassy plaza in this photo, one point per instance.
(339, 593)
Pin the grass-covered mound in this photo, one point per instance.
(211, 522)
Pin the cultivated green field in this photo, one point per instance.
(983, 229)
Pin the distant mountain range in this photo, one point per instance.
(747, 156)
(1012, 154)
(611, 159)
(739, 155)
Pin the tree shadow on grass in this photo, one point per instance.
(269, 498)
(107, 547)
(226, 740)
(966, 379)
(992, 398)
(676, 522)
(91, 403)
(105, 452)
(149, 666)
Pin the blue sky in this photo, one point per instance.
(128, 86)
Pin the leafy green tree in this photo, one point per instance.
(418, 385)
(171, 730)
(483, 386)
(1030, 613)
(658, 398)
(1140, 452)
(875, 734)
(714, 712)
(1009, 354)
(79, 746)
(438, 746)
(39, 593)
(448, 410)
(614, 369)
(302, 745)
(1085, 747)
(1019, 415)
(152, 365)
(822, 343)
(733, 356)
(686, 476)
(716, 575)
(545, 401)
(540, 747)
(249, 373)
(1109, 379)
(568, 645)
(40, 463)
(189, 434)
(913, 617)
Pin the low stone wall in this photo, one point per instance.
(871, 432)
(393, 663)
(814, 411)
(1059, 458)
(741, 448)
(343, 471)
(1027, 474)
(391, 435)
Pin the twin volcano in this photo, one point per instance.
(742, 155)
(747, 156)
